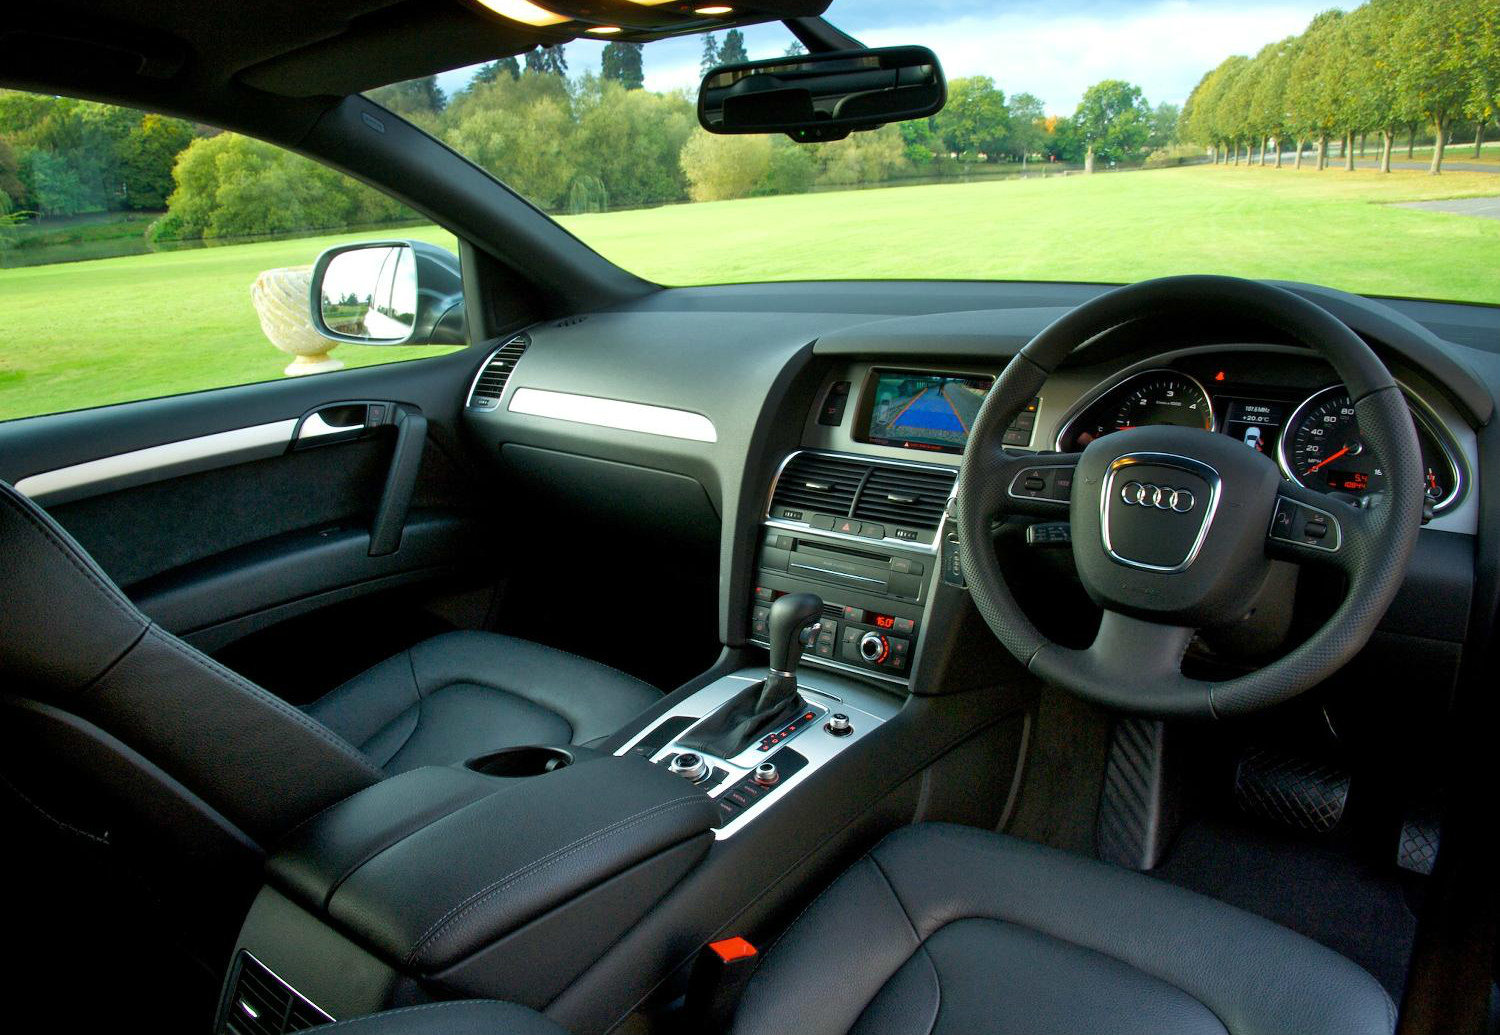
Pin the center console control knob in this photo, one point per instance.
(688, 764)
(874, 647)
(766, 774)
(839, 725)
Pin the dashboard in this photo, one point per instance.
(711, 414)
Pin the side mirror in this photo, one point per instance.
(389, 293)
(824, 96)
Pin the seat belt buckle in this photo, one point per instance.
(717, 981)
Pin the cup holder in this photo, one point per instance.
(521, 761)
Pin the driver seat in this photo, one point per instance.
(948, 929)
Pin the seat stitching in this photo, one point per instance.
(814, 901)
(475, 900)
(1086, 948)
(111, 592)
(937, 980)
(265, 697)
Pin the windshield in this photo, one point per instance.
(1082, 141)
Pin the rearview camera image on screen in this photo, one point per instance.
(925, 411)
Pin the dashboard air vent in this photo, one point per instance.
(260, 1003)
(905, 496)
(490, 384)
(821, 483)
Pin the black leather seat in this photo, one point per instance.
(946, 929)
(466, 1017)
(462, 694)
(172, 752)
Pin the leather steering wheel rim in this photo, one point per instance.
(1135, 662)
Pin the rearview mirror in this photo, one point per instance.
(388, 293)
(825, 96)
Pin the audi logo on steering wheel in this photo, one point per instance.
(1162, 497)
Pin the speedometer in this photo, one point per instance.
(1322, 449)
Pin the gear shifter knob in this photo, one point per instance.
(790, 616)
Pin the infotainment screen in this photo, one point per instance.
(925, 411)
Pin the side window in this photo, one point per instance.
(144, 256)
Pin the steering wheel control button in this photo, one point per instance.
(1298, 523)
(1043, 483)
(1049, 533)
(689, 765)
(766, 774)
(1155, 510)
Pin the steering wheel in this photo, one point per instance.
(1175, 529)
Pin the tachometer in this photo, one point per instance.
(1322, 449)
(1148, 398)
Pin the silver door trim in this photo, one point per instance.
(619, 414)
(156, 463)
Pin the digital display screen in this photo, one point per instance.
(925, 411)
(1255, 422)
(882, 621)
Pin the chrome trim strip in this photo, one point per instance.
(1421, 413)
(155, 463)
(283, 983)
(618, 414)
(1184, 463)
(315, 426)
(1097, 393)
(800, 526)
(843, 666)
(836, 574)
(469, 396)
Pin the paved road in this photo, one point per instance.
(1485, 208)
(1421, 165)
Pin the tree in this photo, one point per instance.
(1164, 118)
(55, 186)
(1484, 97)
(719, 168)
(920, 142)
(234, 186)
(794, 49)
(1025, 115)
(710, 59)
(733, 52)
(975, 121)
(146, 157)
(1435, 80)
(421, 96)
(492, 71)
(629, 141)
(1268, 99)
(10, 178)
(548, 60)
(622, 63)
(1314, 96)
(1113, 121)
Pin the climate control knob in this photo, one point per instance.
(766, 774)
(874, 647)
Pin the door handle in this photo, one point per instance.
(342, 420)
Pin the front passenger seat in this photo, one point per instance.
(152, 742)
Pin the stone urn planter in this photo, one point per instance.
(280, 297)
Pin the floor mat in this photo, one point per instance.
(1322, 892)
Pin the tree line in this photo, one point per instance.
(1387, 67)
(570, 144)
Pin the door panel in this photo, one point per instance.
(218, 532)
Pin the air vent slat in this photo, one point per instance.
(819, 483)
(489, 386)
(905, 496)
(262, 1004)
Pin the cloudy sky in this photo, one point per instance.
(1051, 48)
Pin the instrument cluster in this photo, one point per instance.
(1309, 430)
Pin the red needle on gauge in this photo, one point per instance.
(1325, 463)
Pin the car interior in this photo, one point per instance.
(812, 656)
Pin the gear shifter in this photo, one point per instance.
(792, 617)
(773, 702)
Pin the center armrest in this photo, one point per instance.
(453, 861)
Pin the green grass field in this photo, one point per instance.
(111, 330)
